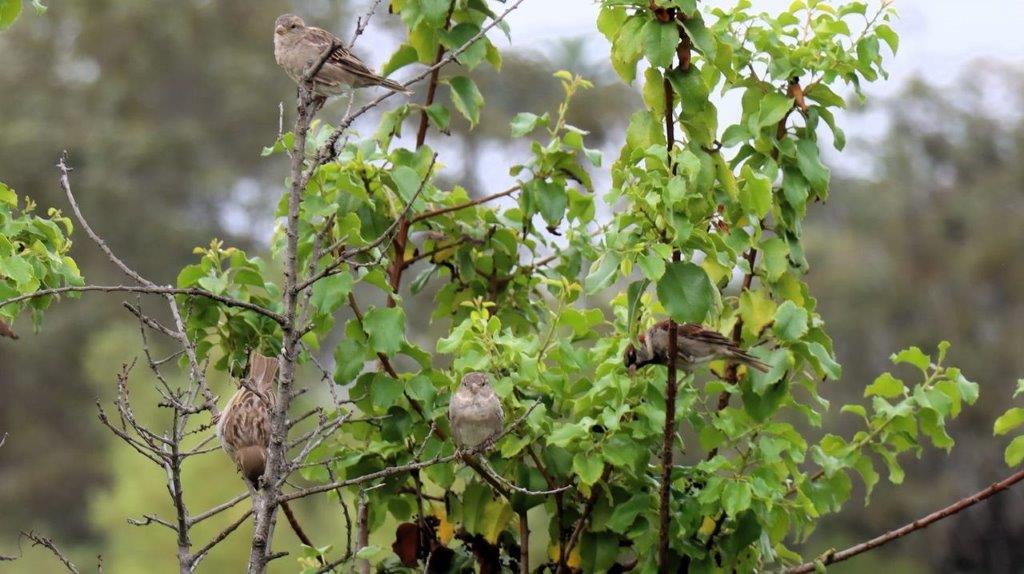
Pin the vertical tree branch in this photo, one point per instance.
(363, 534)
(402, 237)
(671, 383)
(265, 499)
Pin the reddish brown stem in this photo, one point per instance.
(671, 384)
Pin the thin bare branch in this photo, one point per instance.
(923, 522)
(149, 289)
(49, 545)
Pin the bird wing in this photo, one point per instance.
(340, 56)
(697, 332)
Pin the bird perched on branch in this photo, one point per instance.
(694, 345)
(244, 428)
(475, 412)
(299, 48)
(244, 425)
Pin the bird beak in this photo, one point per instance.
(632, 370)
(279, 30)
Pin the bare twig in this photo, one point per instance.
(148, 289)
(362, 22)
(49, 545)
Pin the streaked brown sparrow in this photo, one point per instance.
(694, 345)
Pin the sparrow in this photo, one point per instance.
(695, 345)
(244, 429)
(244, 425)
(297, 47)
(6, 331)
(475, 412)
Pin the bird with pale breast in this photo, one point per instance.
(695, 345)
(298, 47)
(475, 412)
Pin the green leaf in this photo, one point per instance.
(8, 196)
(756, 192)
(435, 11)
(774, 107)
(790, 322)
(456, 37)
(331, 292)
(886, 386)
(1015, 452)
(686, 292)
(736, 497)
(598, 551)
(402, 57)
(775, 258)
(610, 20)
(826, 362)
(625, 514)
(467, 98)
(18, 269)
(652, 265)
(349, 359)
(634, 293)
(628, 47)
(550, 199)
(756, 310)
(385, 327)
(810, 165)
(368, 552)
(39, 6)
(564, 434)
(1010, 420)
(407, 182)
(439, 116)
(602, 273)
(9, 10)
(660, 41)
(217, 284)
(524, 123)
(888, 36)
(913, 356)
(699, 34)
(384, 391)
(866, 469)
(588, 467)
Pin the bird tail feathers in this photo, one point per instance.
(262, 371)
(752, 361)
(395, 86)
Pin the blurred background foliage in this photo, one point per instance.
(164, 115)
